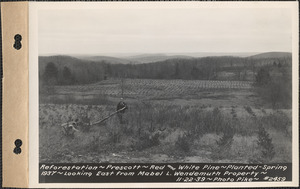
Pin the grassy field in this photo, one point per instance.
(167, 121)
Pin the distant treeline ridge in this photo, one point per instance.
(66, 70)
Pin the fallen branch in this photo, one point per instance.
(104, 119)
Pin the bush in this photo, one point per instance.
(85, 121)
(279, 121)
(263, 77)
(250, 111)
(224, 143)
(265, 144)
(147, 140)
(183, 143)
(94, 144)
(275, 88)
(233, 113)
(208, 122)
(114, 136)
(227, 138)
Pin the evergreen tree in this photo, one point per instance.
(50, 74)
(177, 71)
(263, 77)
(195, 73)
(266, 145)
(67, 76)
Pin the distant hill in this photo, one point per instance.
(93, 69)
(272, 55)
(60, 61)
(150, 58)
(159, 57)
(211, 54)
(83, 71)
(108, 59)
(155, 58)
(138, 59)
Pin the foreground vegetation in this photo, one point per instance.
(156, 132)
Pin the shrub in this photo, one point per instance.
(278, 120)
(265, 144)
(209, 122)
(233, 113)
(275, 86)
(147, 140)
(263, 77)
(218, 120)
(183, 143)
(227, 138)
(94, 144)
(85, 122)
(250, 111)
(224, 143)
(114, 136)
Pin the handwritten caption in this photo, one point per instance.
(164, 172)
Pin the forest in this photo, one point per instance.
(65, 70)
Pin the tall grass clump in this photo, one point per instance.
(204, 122)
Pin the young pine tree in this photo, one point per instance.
(265, 144)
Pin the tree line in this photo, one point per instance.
(70, 71)
(274, 84)
(272, 76)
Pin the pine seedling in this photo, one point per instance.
(266, 145)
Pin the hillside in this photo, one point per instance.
(138, 59)
(160, 57)
(60, 61)
(206, 68)
(149, 58)
(82, 71)
(108, 59)
(272, 55)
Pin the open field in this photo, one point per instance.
(167, 121)
(152, 87)
(184, 92)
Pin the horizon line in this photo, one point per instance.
(158, 53)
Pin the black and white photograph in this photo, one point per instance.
(163, 84)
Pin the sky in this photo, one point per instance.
(152, 30)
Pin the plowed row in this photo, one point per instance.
(158, 88)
